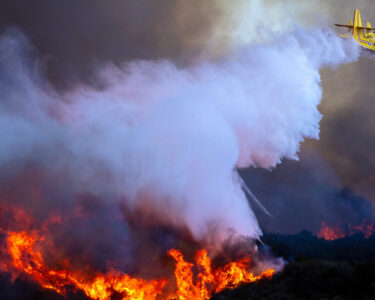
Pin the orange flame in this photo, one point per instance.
(25, 259)
(30, 262)
(334, 233)
(207, 282)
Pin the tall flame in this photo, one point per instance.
(25, 259)
(208, 281)
(30, 262)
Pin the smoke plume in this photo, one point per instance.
(165, 141)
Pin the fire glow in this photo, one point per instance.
(25, 259)
(335, 232)
(162, 146)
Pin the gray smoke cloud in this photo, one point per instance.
(166, 141)
(75, 38)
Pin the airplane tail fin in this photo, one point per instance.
(357, 18)
(359, 31)
(356, 26)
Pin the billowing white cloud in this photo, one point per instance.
(171, 139)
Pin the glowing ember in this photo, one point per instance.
(25, 259)
(334, 233)
(368, 229)
(330, 233)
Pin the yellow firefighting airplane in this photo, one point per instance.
(364, 36)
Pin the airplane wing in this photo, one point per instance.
(360, 28)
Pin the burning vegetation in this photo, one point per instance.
(26, 254)
(128, 187)
(317, 269)
(335, 232)
(330, 233)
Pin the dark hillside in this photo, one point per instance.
(315, 269)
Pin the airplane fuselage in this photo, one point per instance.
(363, 35)
(366, 41)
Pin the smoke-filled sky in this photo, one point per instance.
(62, 56)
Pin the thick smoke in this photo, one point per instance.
(73, 38)
(165, 141)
